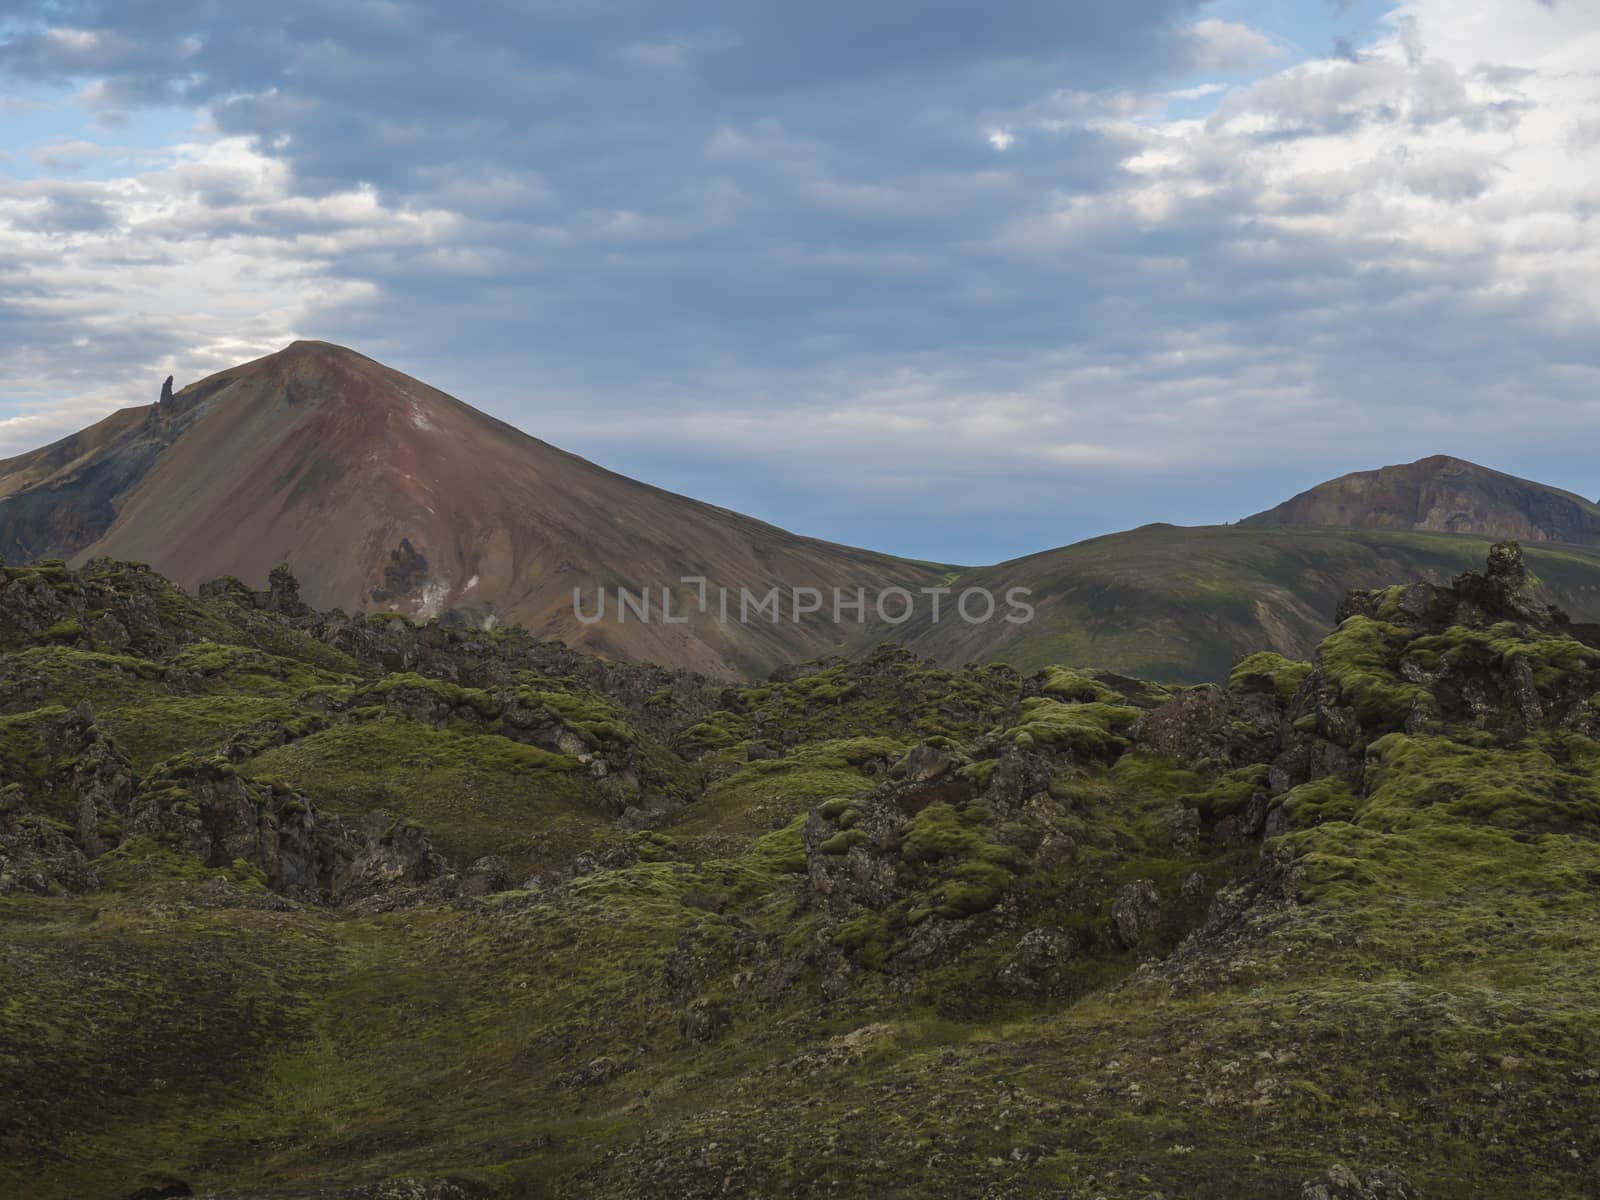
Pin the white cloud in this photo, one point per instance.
(1230, 47)
(210, 260)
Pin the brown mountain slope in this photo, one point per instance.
(1443, 495)
(383, 493)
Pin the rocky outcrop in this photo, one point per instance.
(204, 808)
(69, 811)
(111, 606)
(405, 574)
(1342, 1183)
(1209, 726)
(1473, 599)
(283, 593)
(36, 854)
(1136, 912)
(95, 781)
(1035, 966)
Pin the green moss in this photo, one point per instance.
(141, 861)
(1284, 675)
(1086, 730)
(865, 937)
(23, 757)
(452, 695)
(962, 870)
(753, 797)
(474, 794)
(1232, 792)
(1321, 800)
(1549, 784)
(783, 851)
(1361, 662)
(68, 630)
(720, 731)
(891, 694)
(159, 726)
(1556, 661)
(843, 842)
(1066, 684)
(978, 773)
(596, 721)
(964, 897)
(823, 688)
(650, 846)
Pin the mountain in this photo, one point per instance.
(1183, 603)
(385, 494)
(1443, 495)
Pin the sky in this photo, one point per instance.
(954, 281)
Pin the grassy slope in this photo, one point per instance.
(1182, 604)
(1441, 1018)
(1429, 1001)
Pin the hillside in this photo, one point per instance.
(385, 494)
(1443, 495)
(1181, 604)
(304, 904)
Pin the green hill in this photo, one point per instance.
(1183, 603)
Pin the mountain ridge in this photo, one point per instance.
(1442, 494)
(385, 494)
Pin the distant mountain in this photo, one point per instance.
(1443, 495)
(383, 493)
(1182, 604)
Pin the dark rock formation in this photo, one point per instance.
(405, 574)
(1210, 726)
(283, 593)
(1136, 912)
(36, 854)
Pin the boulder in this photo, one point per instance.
(1036, 962)
(1136, 912)
(1211, 727)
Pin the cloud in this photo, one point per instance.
(66, 157)
(1046, 250)
(107, 286)
(1229, 47)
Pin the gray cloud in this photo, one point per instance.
(739, 248)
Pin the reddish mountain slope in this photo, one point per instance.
(1443, 495)
(383, 493)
